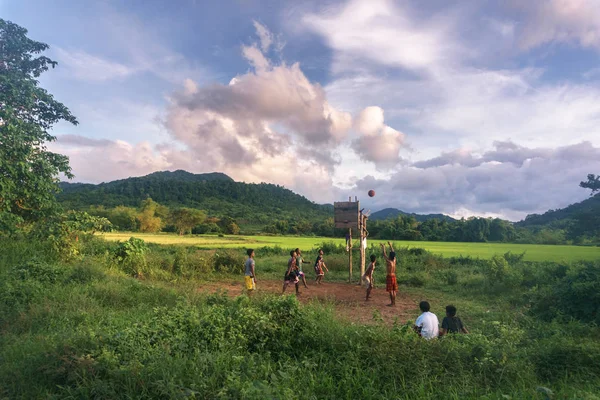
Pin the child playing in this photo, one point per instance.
(299, 262)
(391, 285)
(319, 265)
(291, 275)
(368, 276)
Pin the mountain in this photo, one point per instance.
(561, 217)
(388, 213)
(215, 193)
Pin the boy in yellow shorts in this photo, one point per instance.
(250, 277)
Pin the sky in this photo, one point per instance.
(469, 108)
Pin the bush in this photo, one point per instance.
(38, 271)
(577, 295)
(415, 279)
(450, 277)
(230, 261)
(130, 256)
(558, 358)
(513, 259)
(332, 247)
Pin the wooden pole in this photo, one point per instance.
(350, 255)
(361, 249)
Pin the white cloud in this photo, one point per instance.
(377, 142)
(382, 32)
(103, 160)
(87, 67)
(265, 36)
(566, 21)
(255, 57)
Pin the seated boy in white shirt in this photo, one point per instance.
(427, 325)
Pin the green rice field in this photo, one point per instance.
(533, 252)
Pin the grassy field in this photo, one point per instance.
(167, 322)
(447, 249)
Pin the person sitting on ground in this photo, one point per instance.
(451, 323)
(368, 276)
(427, 325)
(249, 275)
(319, 265)
(391, 285)
(299, 262)
(291, 275)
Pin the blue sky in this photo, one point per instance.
(466, 108)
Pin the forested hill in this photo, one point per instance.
(390, 213)
(562, 216)
(215, 193)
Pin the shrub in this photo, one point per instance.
(513, 259)
(84, 274)
(417, 251)
(450, 277)
(557, 358)
(130, 256)
(415, 279)
(229, 261)
(577, 295)
(38, 271)
(332, 247)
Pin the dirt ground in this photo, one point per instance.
(349, 299)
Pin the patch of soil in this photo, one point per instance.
(348, 299)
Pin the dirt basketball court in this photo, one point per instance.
(349, 299)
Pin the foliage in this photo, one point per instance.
(576, 295)
(28, 171)
(65, 232)
(185, 219)
(217, 194)
(593, 183)
(149, 218)
(229, 261)
(130, 256)
(79, 331)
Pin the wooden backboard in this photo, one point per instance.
(345, 214)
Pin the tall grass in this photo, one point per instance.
(88, 330)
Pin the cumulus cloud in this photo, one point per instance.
(377, 142)
(271, 95)
(566, 21)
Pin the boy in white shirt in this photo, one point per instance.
(427, 325)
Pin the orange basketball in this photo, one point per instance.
(371, 193)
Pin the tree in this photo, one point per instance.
(228, 225)
(28, 171)
(592, 183)
(148, 220)
(185, 219)
(63, 230)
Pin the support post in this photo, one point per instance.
(350, 255)
(361, 253)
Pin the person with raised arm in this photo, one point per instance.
(368, 277)
(391, 285)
